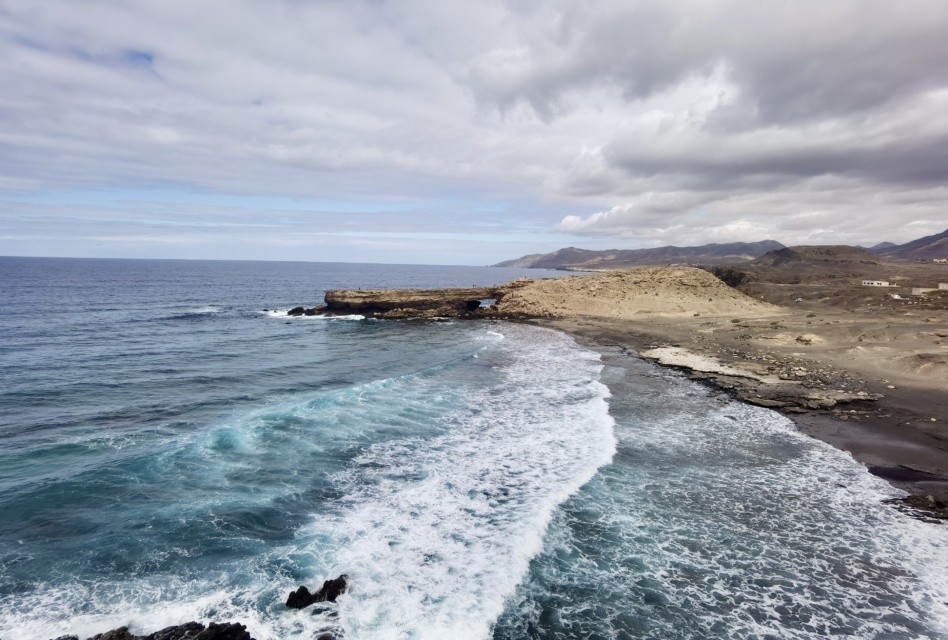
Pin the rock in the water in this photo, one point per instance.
(300, 599)
(331, 589)
(122, 633)
(923, 507)
(178, 632)
(296, 311)
(225, 631)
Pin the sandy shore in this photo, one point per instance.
(889, 416)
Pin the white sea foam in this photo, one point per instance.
(282, 315)
(439, 514)
(732, 523)
(728, 513)
(437, 532)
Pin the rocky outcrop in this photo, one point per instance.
(186, 631)
(926, 508)
(682, 291)
(410, 303)
(299, 599)
(773, 384)
(303, 311)
(331, 589)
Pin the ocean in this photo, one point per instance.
(173, 448)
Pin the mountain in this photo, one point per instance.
(578, 259)
(882, 246)
(802, 264)
(814, 255)
(926, 248)
(556, 260)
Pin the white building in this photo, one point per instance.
(875, 283)
(917, 291)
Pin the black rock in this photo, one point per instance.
(225, 631)
(296, 311)
(186, 631)
(122, 633)
(177, 632)
(300, 599)
(923, 507)
(331, 589)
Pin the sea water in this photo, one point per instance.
(173, 447)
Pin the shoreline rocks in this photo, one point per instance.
(926, 508)
(778, 389)
(299, 599)
(329, 592)
(186, 631)
(303, 311)
(411, 303)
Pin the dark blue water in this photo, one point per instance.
(170, 451)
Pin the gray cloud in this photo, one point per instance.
(681, 121)
(791, 61)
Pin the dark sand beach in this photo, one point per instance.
(901, 434)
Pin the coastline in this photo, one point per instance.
(875, 431)
(868, 380)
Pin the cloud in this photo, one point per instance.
(641, 122)
(742, 118)
(792, 61)
(820, 211)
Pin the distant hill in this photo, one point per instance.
(926, 248)
(791, 265)
(709, 254)
(814, 255)
(882, 246)
(556, 260)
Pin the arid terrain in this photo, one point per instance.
(864, 368)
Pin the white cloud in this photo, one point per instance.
(682, 121)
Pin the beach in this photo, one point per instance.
(900, 435)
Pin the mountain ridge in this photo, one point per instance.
(715, 254)
(925, 248)
(579, 259)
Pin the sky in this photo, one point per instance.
(449, 132)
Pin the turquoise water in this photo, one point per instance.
(171, 451)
